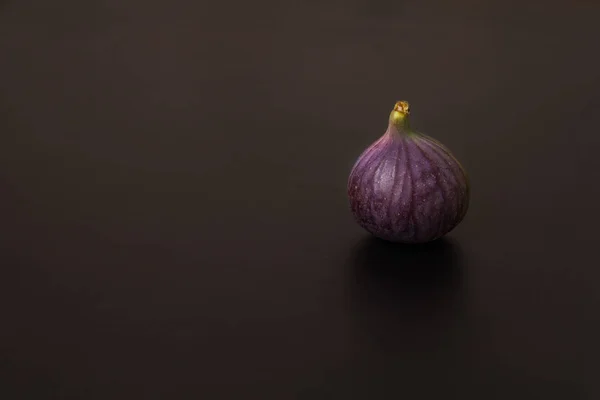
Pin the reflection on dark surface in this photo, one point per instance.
(413, 292)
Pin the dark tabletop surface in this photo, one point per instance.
(173, 211)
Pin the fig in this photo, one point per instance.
(407, 187)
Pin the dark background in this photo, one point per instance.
(173, 215)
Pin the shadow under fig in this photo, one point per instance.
(413, 292)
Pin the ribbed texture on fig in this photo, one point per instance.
(407, 187)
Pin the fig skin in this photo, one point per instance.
(407, 187)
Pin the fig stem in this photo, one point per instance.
(399, 115)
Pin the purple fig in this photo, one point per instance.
(407, 187)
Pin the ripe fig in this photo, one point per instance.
(407, 187)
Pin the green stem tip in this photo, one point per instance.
(399, 115)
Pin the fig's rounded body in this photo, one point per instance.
(407, 187)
